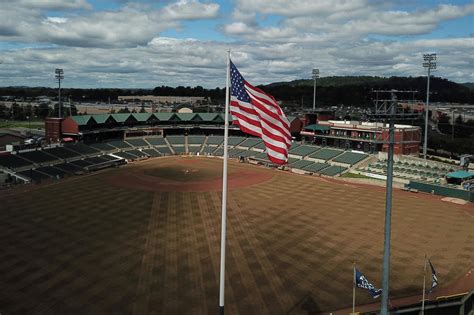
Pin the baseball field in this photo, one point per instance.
(144, 239)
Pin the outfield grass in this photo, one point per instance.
(21, 123)
(88, 246)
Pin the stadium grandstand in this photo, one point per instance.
(111, 139)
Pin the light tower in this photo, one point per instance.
(315, 76)
(59, 77)
(430, 63)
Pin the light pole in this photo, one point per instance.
(315, 76)
(59, 77)
(430, 63)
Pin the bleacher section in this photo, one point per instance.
(164, 150)
(431, 172)
(81, 148)
(119, 144)
(233, 141)
(303, 150)
(215, 140)
(332, 170)
(62, 153)
(77, 158)
(325, 154)
(152, 152)
(137, 142)
(104, 147)
(38, 157)
(159, 141)
(350, 158)
(196, 140)
(250, 142)
(316, 167)
(52, 171)
(13, 161)
(300, 164)
(175, 140)
(34, 175)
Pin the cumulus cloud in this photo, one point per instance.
(129, 26)
(51, 4)
(277, 40)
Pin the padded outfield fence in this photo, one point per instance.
(442, 190)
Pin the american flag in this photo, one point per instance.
(258, 114)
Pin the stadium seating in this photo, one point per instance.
(81, 163)
(164, 150)
(137, 142)
(69, 167)
(316, 167)
(303, 150)
(325, 154)
(138, 153)
(250, 142)
(300, 164)
(119, 144)
(176, 140)
(34, 175)
(38, 157)
(152, 152)
(208, 150)
(52, 171)
(196, 140)
(81, 148)
(350, 158)
(126, 155)
(104, 147)
(332, 170)
(194, 149)
(178, 149)
(13, 161)
(260, 146)
(158, 141)
(233, 141)
(62, 153)
(215, 140)
(219, 152)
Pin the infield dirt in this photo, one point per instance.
(145, 239)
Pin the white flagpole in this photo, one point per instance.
(354, 288)
(224, 191)
(424, 284)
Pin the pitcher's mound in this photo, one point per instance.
(187, 174)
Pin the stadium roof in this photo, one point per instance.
(82, 120)
(316, 127)
(460, 175)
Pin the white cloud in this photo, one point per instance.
(52, 4)
(131, 25)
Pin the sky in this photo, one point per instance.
(148, 43)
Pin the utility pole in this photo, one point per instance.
(452, 123)
(315, 77)
(59, 77)
(386, 109)
(430, 63)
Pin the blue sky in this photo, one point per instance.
(143, 43)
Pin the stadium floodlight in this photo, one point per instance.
(430, 64)
(315, 76)
(59, 77)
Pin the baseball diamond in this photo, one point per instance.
(144, 238)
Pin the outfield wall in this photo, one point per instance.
(442, 190)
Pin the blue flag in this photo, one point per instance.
(362, 282)
(434, 277)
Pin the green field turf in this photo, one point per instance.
(85, 246)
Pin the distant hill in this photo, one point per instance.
(357, 90)
(469, 85)
(334, 81)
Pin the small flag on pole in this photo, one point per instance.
(434, 278)
(363, 283)
(258, 114)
